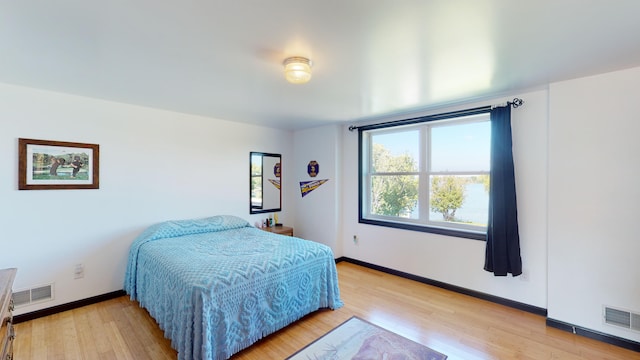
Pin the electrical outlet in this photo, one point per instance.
(78, 271)
(355, 239)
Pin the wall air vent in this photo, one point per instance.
(622, 318)
(21, 297)
(33, 295)
(635, 322)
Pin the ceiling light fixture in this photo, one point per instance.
(297, 69)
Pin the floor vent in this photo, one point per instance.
(622, 318)
(33, 295)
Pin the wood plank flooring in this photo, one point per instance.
(459, 326)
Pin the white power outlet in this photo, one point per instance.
(78, 271)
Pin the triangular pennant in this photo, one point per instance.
(308, 186)
(275, 183)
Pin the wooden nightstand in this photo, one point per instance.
(282, 230)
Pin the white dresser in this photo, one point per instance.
(7, 333)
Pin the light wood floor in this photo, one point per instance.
(459, 326)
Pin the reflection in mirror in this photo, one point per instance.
(265, 181)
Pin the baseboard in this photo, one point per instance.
(606, 338)
(65, 307)
(609, 339)
(477, 294)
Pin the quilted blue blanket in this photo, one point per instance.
(217, 285)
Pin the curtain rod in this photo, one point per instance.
(515, 103)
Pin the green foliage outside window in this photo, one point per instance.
(447, 195)
(393, 195)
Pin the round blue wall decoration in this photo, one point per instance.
(313, 168)
(277, 170)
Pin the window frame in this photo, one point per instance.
(423, 124)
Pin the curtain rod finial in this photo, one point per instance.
(516, 102)
(352, 127)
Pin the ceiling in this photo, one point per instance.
(371, 58)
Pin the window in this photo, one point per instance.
(429, 175)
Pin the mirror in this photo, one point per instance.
(264, 182)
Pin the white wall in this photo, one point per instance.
(154, 165)
(594, 199)
(318, 213)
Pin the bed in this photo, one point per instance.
(217, 285)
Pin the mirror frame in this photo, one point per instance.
(259, 209)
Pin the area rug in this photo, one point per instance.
(358, 339)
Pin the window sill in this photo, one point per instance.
(428, 229)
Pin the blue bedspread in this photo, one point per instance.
(217, 285)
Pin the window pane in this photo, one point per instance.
(459, 199)
(395, 195)
(461, 147)
(395, 152)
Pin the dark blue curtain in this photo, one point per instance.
(503, 241)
